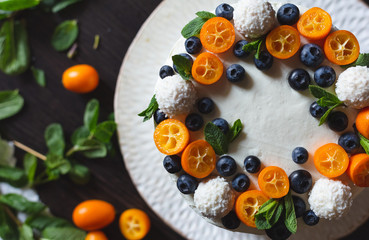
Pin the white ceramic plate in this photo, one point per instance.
(134, 90)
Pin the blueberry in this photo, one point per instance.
(300, 155)
(252, 164)
(350, 142)
(194, 122)
(311, 55)
(231, 220)
(186, 56)
(166, 71)
(316, 110)
(193, 45)
(226, 166)
(337, 121)
(300, 181)
(310, 218)
(300, 206)
(288, 14)
(325, 76)
(159, 116)
(237, 50)
(205, 105)
(299, 79)
(279, 231)
(187, 184)
(235, 73)
(222, 124)
(172, 163)
(241, 182)
(264, 62)
(224, 10)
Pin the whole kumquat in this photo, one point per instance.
(273, 182)
(134, 224)
(81, 78)
(207, 68)
(362, 122)
(358, 169)
(331, 160)
(283, 42)
(96, 235)
(315, 24)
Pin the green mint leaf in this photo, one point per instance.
(62, 233)
(277, 214)
(7, 152)
(21, 204)
(193, 28)
(326, 102)
(362, 60)
(261, 222)
(65, 34)
(364, 143)
(8, 228)
(25, 232)
(326, 114)
(91, 148)
(14, 176)
(79, 174)
(91, 115)
(104, 131)
(56, 164)
(235, 130)
(257, 54)
(80, 134)
(266, 206)
(54, 138)
(11, 102)
(96, 44)
(12, 5)
(30, 167)
(183, 66)
(205, 15)
(290, 218)
(265, 214)
(150, 110)
(14, 49)
(39, 76)
(252, 46)
(319, 92)
(216, 138)
(63, 4)
(111, 117)
(40, 222)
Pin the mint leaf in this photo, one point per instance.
(252, 46)
(277, 214)
(65, 34)
(63, 4)
(40, 222)
(8, 228)
(62, 233)
(26, 232)
(266, 206)
(80, 134)
(216, 138)
(39, 76)
(21, 204)
(326, 102)
(54, 138)
(290, 218)
(91, 148)
(326, 96)
(79, 174)
(193, 28)
(261, 222)
(364, 143)
(205, 15)
(30, 166)
(265, 214)
(326, 114)
(56, 164)
(183, 65)
(104, 131)
(150, 110)
(91, 114)
(362, 60)
(11, 102)
(11, 5)
(235, 130)
(257, 54)
(14, 176)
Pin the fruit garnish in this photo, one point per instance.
(358, 169)
(273, 182)
(96, 235)
(198, 159)
(171, 136)
(315, 24)
(341, 47)
(217, 35)
(207, 68)
(80, 78)
(283, 42)
(248, 204)
(134, 224)
(362, 122)
(331, 160)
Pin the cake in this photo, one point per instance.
(274, 116)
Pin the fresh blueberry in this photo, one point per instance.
(310, 218)
(325, 76)
(316, 110)
(224, 10)
(166, 71)
(300, 155)
(350, 142)
(279, 231)
(337, 121)
(193, 45)
(300, 181)
(186, 56)
(252, 164)
(187, 184)
(238, 51)
(159, 116)
(235, 73)
(194, 122)
(241, 182)
(222, 124)
(299, 79)
(226, 166)
(300, 206)
(172, 163)
(288, 14)
(231, 220)
(264, 62)
(205, 105)
(311, 55)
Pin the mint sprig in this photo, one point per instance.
(362, 60)
(193, 28)
(253, 46)
(150, 110)
(364, 142)
(183, 66)
(290, 218)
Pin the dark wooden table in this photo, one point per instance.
(117, 22)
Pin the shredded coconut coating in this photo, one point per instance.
(214, 198)
(330, 199)
(352, 87)
(175, 96)
(254, 18)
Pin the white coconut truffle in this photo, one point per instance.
(352, 87)
(175, 96)
(330, 199)
(214, 198)
(254, 18)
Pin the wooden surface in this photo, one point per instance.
(117, 22)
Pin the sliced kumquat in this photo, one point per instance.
(171, 136)
(273, 182)
(248, 204)
(315, 24)
(217, 35)
(362, 122)
(283, 42)
(207, 68)
(198, 159)
(358, 169)
(134, 224)
(341, 47)
(331, 160)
